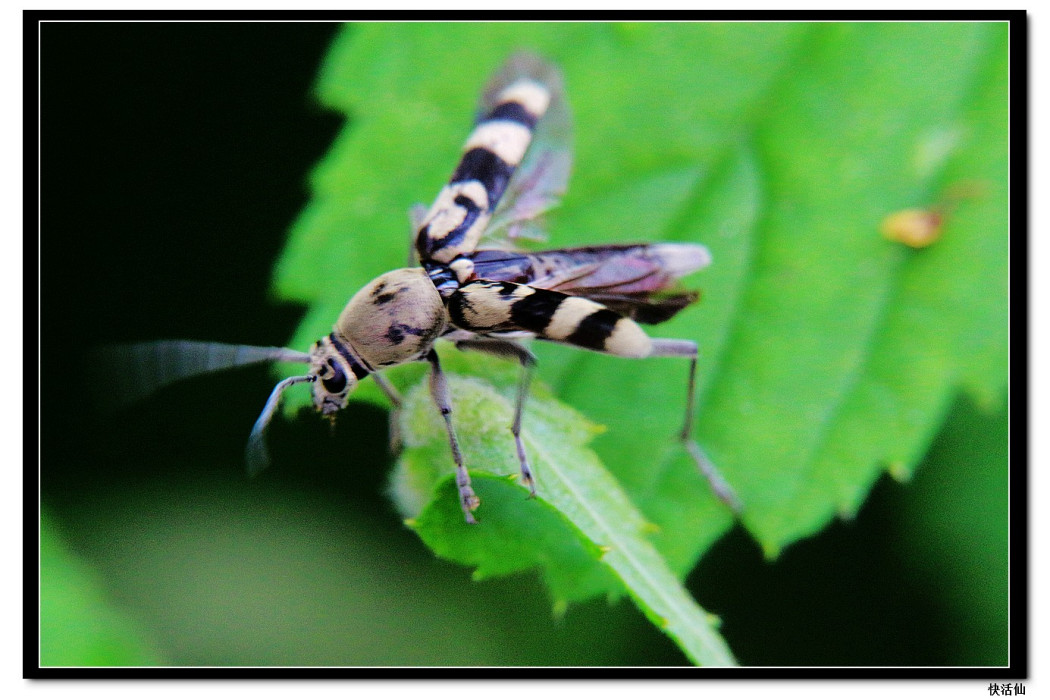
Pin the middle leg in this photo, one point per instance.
(509, 349)
(395, 411)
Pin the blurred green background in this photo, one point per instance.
(174, 161)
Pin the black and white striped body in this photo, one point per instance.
(501, 136)
(487, 307)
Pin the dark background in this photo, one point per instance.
(174, 158)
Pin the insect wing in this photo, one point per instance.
(619, 269)
(513, 105)
(636, 281)
(126, 373)
(543, 176)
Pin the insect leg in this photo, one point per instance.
(439, 391)
(395, 411)
(505, 348)
(668, 347)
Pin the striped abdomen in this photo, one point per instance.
(494, 149)
(499, 307)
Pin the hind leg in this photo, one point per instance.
(668, 347)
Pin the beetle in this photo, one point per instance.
(473, 289)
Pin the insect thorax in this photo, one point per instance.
(394, 319)
(449, 278)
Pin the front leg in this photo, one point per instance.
(508, 349)
(395, 411)
(439, 391)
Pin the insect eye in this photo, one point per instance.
(335, 383)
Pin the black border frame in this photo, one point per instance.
(1019, 548)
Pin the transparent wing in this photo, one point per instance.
(417, 214)
(639, 268)
(123, 374)
(539, 182)
(638, 281)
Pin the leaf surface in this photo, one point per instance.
(828, 353)
(581, 527)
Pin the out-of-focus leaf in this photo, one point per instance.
(79, 625)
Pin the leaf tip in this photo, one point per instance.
(899, 471)
(713, 620)
(771, 551)
(410, 523)
(559, 608)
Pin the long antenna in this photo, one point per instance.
(256, 453)
(119, 375)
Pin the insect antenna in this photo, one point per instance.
(256, 454)
(122, 374)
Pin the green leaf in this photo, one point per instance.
(847, 347)
(639, 445)
(828, 353)
(79, 625)
(580, 523)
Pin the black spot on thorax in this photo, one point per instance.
(380, 298)
(397, 332)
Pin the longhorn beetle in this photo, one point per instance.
(514, 165)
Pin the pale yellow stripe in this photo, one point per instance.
(446, 215)
(628, 340)
(531, 95)
(568, 315)
(506, 139)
